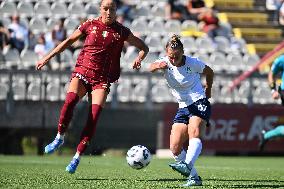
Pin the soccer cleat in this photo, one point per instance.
(71, 168)
(262, 141)
(193, 181)
(53, 146)
(181, 167)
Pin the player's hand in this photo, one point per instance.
(275, 95)
(162, 65)
(137, 63)
(41, 63)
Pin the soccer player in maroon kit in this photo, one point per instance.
(97, 66)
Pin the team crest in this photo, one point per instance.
(105, 33)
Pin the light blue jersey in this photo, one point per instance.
(278, 66)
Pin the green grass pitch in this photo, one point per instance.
(109, 172)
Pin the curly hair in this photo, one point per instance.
(174, 42)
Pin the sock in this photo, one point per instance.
(60, 136)
(77, 156)
(277, 132)
(181, 156)
(90, 128)
(67, 111)
(194, 149)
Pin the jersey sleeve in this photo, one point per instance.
(197, 65)
(125, 33)
(84, 26)
(277, 65)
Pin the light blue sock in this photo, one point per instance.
(277, 132)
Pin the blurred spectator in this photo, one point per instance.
(59, 33)
(195, 7)
(281, 15)
(40, 48)
(32, 40)
(4, 37)
(18, 34)
(274, 5)
(210, 24)
(123, 10)
(176, 10)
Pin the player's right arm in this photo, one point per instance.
(59, 48)
(158, 66)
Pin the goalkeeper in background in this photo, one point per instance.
(276, 92)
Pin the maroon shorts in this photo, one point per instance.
(91, 84)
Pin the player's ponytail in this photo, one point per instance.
(175, 42)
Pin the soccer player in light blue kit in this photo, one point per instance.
(277, 67)
(182, 74)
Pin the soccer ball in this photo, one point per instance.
(138, 157)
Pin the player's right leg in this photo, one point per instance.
(274, 133)
(75, 92)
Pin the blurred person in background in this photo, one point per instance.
(4, 37)
(40, 48)
(276, 92)
(176, 10)
(97, 66)
(18, 34)
(196, 7)
(58, 34)
(182, 74)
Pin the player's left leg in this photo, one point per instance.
(98, 100)
(274, 133)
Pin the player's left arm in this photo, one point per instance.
(144, 49)
(209, 75)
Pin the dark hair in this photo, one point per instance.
(174, 42)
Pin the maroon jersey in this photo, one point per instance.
(99, 60)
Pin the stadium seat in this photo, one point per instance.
(34, 91)
(6, 21)
(37, 25)
(139, 26)
(218, 61)
(8, 8)
(25, 9)
(154, 43)
(158, 10)
(76, 10)
(142, 10)
(71, 24)
(250, 60)
(124, 89)
(189, 25)
(205, 45)
(28, 59)
(150, 58)
(159, 86)
(234, 63)
(50, 23)
(12, 58)
(67, 61)
(173, 26)
(189, 44)
(92, 9)
(59, 10)
(53, 89)
(4, 88)
(157, 26)
(241, 93)
(42, 9)
(19, 90)
(223, 44)
(140, 90)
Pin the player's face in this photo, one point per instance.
(175, 56)
(108, 11)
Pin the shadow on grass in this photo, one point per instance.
(244, 180)
(122, 179)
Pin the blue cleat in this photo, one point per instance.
(193, 181)
(182, 168)
(71, 168)
(262, 141)
(53, 146)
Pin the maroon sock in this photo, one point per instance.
(67, 111)
(90, 128)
